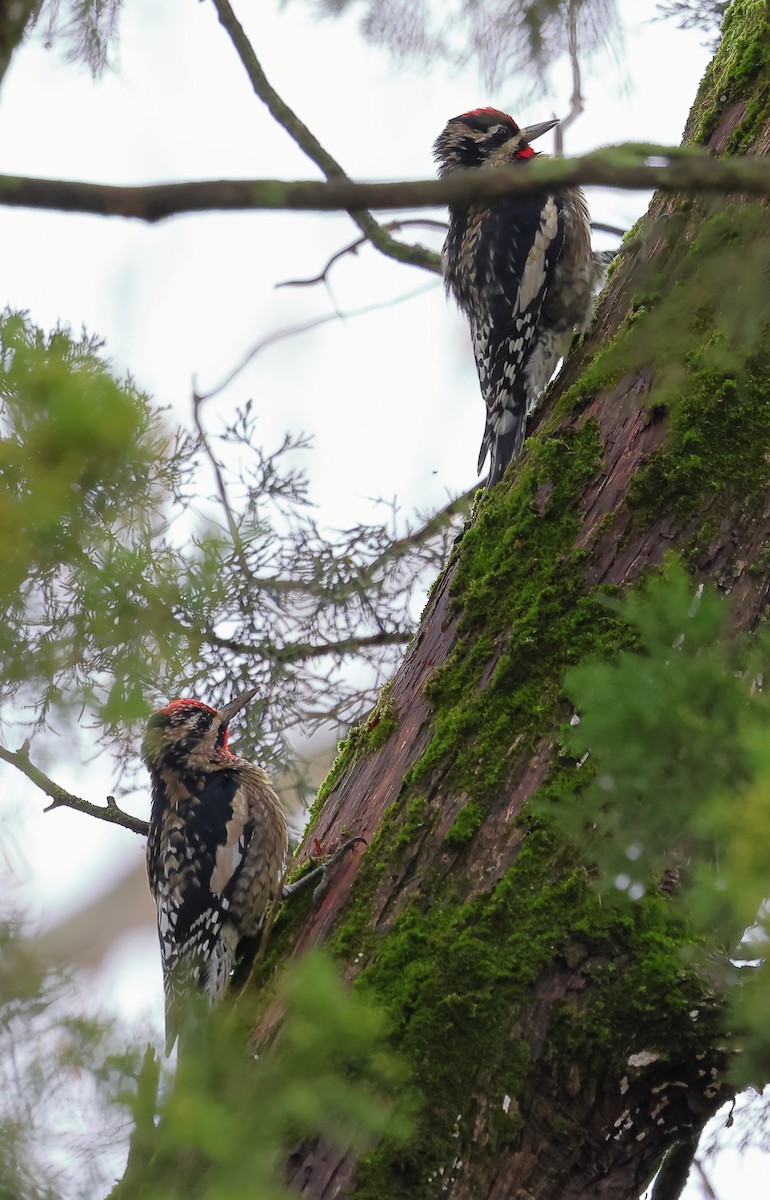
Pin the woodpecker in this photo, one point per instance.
(522, 271)
(215, 853)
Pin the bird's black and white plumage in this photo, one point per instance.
(216, 849)
(522, 271)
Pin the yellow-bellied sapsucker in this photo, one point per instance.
(215, 853)
(523, 272)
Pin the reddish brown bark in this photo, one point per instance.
(626, 1120)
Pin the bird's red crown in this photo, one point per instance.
(487, 117)
(176, 710)
(495, 114)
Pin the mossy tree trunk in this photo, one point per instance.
(560, 1046)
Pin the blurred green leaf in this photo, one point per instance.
(674, 746)
(665, 729)
(231, 1118)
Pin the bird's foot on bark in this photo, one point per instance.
(321, 873)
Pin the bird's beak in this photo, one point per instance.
(532, 132)
(228, 712)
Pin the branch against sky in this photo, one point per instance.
(631, 167)
(576, 99)
(116, 615)
(418, 256)
(417, 538)
(61, 798)
(354, 247)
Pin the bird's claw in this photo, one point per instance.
(321, 873)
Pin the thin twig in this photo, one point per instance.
(417, 256)
(321, 277)
(576, 99)
(355, 246)
(224, 500)
(61, 798)
(305, 327)
(305, 651)
(631, 167)
(398, 548)
(708, 1189)
(460, 506)
(615, 230)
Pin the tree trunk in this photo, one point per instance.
(560, 1046)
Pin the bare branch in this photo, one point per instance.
(355, 246)
(576, 99)
(294, 330)
(321, 277)
(615, 230)
(629, 167)
(61, 798)
(301, 651)
(224, 500)
(460, 506)
(352, 645)
(417, 256)
(707, 1187)
(398, 549)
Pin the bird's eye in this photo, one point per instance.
(500, 133)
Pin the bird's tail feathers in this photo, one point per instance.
(192, 986)
(484, 451)
(504, 435)
(186, 1005)
(505, 448)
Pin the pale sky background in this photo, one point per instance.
(391, 398)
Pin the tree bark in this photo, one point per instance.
(559, 1046)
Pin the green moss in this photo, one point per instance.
(718, 435)
(465, 826)
(626, 996)
(520, 588)
(739, 71)
(382, 723)
(417, 818)
(453, 977)
(704, 343)
(445, 972)
(450, 966)
(600, 375)
(709, 338)
(367, 737)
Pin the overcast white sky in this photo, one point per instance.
(391, 398)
